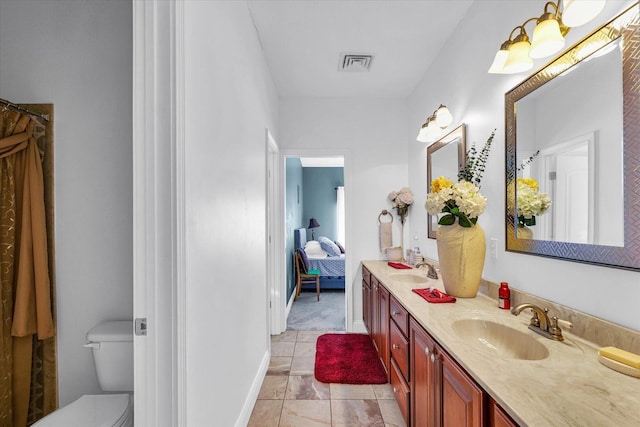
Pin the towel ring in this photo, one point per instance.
(385, 212)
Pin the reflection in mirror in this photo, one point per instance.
(445, 157)
(571, 135)
(575, 137)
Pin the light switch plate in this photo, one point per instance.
(493, 247)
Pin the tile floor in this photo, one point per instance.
(291, 397)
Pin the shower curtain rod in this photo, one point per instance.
(8, 104)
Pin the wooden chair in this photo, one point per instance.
(304, 276)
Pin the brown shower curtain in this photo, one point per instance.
(26, 315)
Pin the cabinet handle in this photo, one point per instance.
(426, 351)
(395, 389)
(394, 313)
(395, 346)
(433, 358)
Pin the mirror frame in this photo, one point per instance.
(461, 133)
(625, 25)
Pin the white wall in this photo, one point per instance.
(477, 98)
(230, 99)
(76, 54)
(371, 134)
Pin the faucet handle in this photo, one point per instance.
(554, 329)
(535, 320)
(565, 324)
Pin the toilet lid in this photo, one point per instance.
(103, 410)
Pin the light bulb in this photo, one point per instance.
(497, 66)
(422, 135)
(547, 38)
(432, 131)
(443, 117)
(579, 12)
(519, 60)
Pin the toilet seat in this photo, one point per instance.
(102, 410)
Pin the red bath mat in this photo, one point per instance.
(348, 359)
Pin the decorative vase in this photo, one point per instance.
(524, 232)
(461, 252)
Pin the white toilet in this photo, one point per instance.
(112, 346)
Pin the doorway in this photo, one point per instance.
(314, 188)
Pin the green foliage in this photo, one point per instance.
(527, 221)
(528, 161)
(476, 162)
(452, 212)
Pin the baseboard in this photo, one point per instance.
(288, 309)
(359, 328)
(254, 391)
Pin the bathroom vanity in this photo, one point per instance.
(470, 363)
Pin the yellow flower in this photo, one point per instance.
(440, 183)
(529, 182)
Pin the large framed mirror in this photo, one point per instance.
(445, 157)
(573, 136)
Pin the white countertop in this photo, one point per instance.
(567, 388)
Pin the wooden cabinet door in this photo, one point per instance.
(423, 381)
(461, 398)
(498, 417)
(366, 305)
(375, 312)
(383, 326)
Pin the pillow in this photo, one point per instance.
(313, 249)
(328, 246)
(305, 260)
(339, 246)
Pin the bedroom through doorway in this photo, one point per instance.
(315, 242)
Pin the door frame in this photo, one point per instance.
(275, 298)
(158, 213)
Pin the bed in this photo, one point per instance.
(331, 268)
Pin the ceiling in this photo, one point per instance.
(303, 40)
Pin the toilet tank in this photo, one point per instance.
(112, 346)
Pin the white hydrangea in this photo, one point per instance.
(530, 201)
(463, 195)
(468, 199)
(436, 201)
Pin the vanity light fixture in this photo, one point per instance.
(516, 54)
(435, 124)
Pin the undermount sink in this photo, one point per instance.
(503, 340)
(410, 278)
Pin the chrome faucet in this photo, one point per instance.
(540, 322)
(432, 274)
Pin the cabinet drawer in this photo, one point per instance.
(399, 350)
(400, 390)
(399, 315)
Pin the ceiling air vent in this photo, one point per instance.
(355, 62)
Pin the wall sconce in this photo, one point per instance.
(435, 124)
(516, 54)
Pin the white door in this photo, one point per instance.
(572, 201)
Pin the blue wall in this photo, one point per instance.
(293, 212)
(320, 199)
